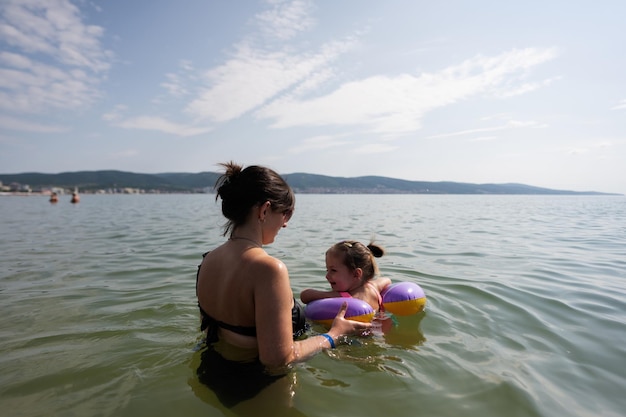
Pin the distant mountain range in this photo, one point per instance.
(113, 181)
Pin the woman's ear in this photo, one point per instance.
(263, 210)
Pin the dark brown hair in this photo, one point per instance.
(242, 189)
(357, 255)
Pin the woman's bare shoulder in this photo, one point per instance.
(269, 267)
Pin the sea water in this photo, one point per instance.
(526, 311)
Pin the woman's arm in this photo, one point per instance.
(273, 303)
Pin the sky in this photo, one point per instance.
(479, 91)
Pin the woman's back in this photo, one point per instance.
(225, 288)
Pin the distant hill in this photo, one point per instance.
(109, 181)
(321, 184)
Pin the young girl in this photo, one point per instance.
(350, 271)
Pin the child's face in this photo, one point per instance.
(339, 275)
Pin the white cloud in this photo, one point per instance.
(12, 123)
(375, 148)
(527, 123)
(162, 125)
(497, 116)
(317, 143)
(58, 60)
(286, 18)
(525, 88)
(396, 105)
(510, 124)
(604, 144)
(253, 77)
(468, 132)
(595, 146)
(54, 28)
(620, 106)
(178, 84)
(40, 87)
(483, 139)
(116, 113)
(278, 83)
(174, 85)
(14, 60)
(578, 151)
(325, 142)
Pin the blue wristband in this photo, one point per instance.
(330, 340)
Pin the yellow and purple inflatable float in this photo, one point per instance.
(401, 299)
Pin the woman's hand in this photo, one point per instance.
(342, 326)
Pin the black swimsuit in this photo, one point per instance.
(298, 320)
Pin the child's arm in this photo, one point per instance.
(308, 295)
(381, 283)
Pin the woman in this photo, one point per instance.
(244, 294)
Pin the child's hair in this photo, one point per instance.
(357, 255)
